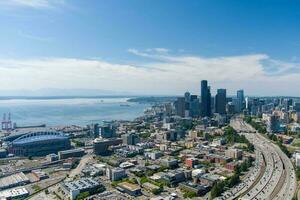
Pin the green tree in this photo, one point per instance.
(189, 194)
(217, 189)
(82, 196)
(156, 191)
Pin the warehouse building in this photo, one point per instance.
(74, 188)
(14, 180)
(71, 153)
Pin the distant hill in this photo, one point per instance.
(152, 99)
(48, 92)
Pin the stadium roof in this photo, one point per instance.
(39, 136)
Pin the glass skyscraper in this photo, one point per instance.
(220, 101)
(240, 100)
(205, 99)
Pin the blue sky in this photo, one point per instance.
(151, 47)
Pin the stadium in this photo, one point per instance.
(40, 143)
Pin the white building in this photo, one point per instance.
(198, 172)
(74, 188)
(153, 155)
(14, 193)
(115, 174)
(297, 158)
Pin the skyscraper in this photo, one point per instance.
(287, 103)
(220, 101)
(194, 106)
(180, 106)
(187, 96)
(205, 99)
(240, 100)
(130, 139)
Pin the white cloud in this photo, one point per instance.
(164, 74)
(158, 50)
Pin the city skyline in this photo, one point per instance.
(64, 46)
(131, 99)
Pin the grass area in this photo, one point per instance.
(128, 180)
(36, 188)
(296, 143)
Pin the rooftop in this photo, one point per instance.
(71, 151)
(129, 186)
(39, 136)
(13, 180)
(13, 193)
(81, 184)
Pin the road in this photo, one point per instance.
(273, 175)
(84, 160)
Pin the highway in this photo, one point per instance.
(271, 177)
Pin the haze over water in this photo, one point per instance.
(73, 111)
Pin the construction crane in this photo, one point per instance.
(6, 124)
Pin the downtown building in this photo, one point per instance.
(205, 99)
(220, 101)
(240, 100)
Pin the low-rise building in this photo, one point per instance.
(171, 177)
(129, 188)
(191, 162)
(15, 193)
(126, 165)
(3, 153)
(196, 173)
(14, 180)
(208, 179)
(39, 175)
(74, 188)
(101, 145)
(231, 166)
(169, 163)
(218, 142)
(234, 153)
(192, 187)
(52, 157)
(71, 153)
(153, 155)
(150, 187)
(297, 159)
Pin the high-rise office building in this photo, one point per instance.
(220, 101)
(297, 107)
(212, 105)
(107, 130)
(240, 100)
(205, 99)
(287, 103)
(130, 139)
(187, 96)
(194, 106)
(180, 106)
(273, 123)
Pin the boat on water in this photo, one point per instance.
(124, 105)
